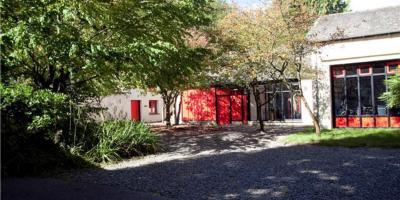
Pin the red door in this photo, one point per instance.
(223, 110)
(135, 110)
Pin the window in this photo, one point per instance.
(153, 106)
(356, 95)
(378, 68)
(352, 95)
(379, 89)
(366, 96)
(340, 98)
(351, 70)
(284, 105)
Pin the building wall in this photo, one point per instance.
(119, 106)
(369, 49)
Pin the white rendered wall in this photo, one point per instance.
(119, 106)
(347, 52)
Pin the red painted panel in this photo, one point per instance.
(354, 121)
(236, 101)
(223, 110)
(394, 121)
(340, 122)
(198, 105)
(135, 110)
(381, 121)
(367, 122)
(223, 92)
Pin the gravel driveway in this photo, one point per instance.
(241, 163)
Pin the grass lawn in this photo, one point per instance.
(386, 138)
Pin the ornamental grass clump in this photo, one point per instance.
(122, 139)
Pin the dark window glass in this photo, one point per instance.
(287, 105)
(339, 96)
(364, 70)
(338, 71)
(378, 68)
(395, 111)
(351, 70)
(366, 96)
(278, 106)
(352, 96)
(379, 89)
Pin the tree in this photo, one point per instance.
(245, 45)
(392, 96)
(324, 7)
(86, 48)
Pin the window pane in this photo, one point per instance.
(366, 96)
(364, 70)
(379, 89)
(278, 106)
(352, 96)
(287, 105)
(339, 97)
(338, 71)
(351, 70)
(378, 68)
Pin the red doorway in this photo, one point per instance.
(135, 110)
(223, 110)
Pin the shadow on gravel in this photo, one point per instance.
(196, 139)
(296, 172)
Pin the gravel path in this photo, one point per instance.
(245, 164)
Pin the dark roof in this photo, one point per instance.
(356, 24)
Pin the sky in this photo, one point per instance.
(355, 5)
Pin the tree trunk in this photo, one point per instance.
(167, 99)
(313, 117)
(177, 114)
(256, 94)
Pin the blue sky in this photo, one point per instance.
(355, 5)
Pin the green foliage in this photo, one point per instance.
(392, 97)
(122, 139)
(324, 7)
(25, 110)
(388, 138)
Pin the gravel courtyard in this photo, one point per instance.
(242, 163)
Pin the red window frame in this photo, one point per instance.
(338, 69)
(391, 71)
(363, 67)
(153, 107)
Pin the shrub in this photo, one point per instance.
(122, 139)
(30, 122)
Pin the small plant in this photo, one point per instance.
(122, 139)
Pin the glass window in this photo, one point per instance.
(339, 95)
(352, 95)
(338, 71)
(153, 106)
(364, 70)
(351, 70)
(378, 68)
(287, 105)
(366, 96)
(379, 89)
(278, 106)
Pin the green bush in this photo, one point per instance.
(31, 122)
(122, 139)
